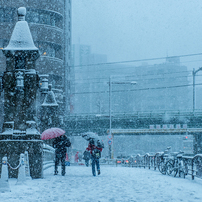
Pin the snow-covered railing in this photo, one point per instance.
(104, 161)
(196, 166)
(193, 164)
(48, 156)
(148, 161)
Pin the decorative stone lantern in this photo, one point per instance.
(49, 111)
(20, 85)
(20, 80)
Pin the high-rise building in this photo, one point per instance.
(87, 74)
(50, 26)
(159, 87)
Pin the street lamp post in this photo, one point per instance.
(111, 147)
(194, 96)
(110, 116)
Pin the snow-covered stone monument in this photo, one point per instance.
(20, 85)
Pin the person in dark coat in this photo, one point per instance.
(86, 157)
(95, 155)
(60, 144)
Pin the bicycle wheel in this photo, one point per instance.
(181, 174)
(175, 172)
(170, 165)
(186, 169)
(183, 171)
(162, 167)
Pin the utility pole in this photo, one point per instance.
(110, 116)
(194, 96)
(111, 147)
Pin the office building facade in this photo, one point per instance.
(160, 87)
(50, 26)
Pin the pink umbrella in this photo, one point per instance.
(52, 133)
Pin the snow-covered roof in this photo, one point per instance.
(21, 38)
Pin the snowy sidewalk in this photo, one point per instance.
(114, 184)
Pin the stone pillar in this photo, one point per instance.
(20, 85)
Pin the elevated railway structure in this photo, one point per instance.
(140, 124)
(160, 131)
(196, 133)
(78, 123)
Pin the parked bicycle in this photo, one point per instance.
(177, 166)
(162, 160)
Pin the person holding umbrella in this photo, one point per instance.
(95, 155)
(60, 144)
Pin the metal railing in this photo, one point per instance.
(107, 161)
(192, 163)
(48, 156)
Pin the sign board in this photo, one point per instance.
(185, 126)
(151, 126)
(178, 126)
(171, 126)
(158, 126)
(109, 142)
(109, 137)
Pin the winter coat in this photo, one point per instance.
(86, 155)
(60, 144)
(95, 151)
(92, 147)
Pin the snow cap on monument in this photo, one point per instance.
(21, 38)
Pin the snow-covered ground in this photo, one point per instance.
(114, 184)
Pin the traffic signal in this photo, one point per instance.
(185, 138)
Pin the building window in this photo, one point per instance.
(50, 49)
(33, 17)
(6, 14)
(58, 21)
(44, 17)
(52, 20)
(1, 43)
(1, 15)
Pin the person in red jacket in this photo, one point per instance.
(95, 155)
(76, 157)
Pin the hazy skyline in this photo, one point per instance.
(127, 30)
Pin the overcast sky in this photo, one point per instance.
(138, 29)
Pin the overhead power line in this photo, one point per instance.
(139, 89)
(133, 76)
(135, 79)
(141, 60)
